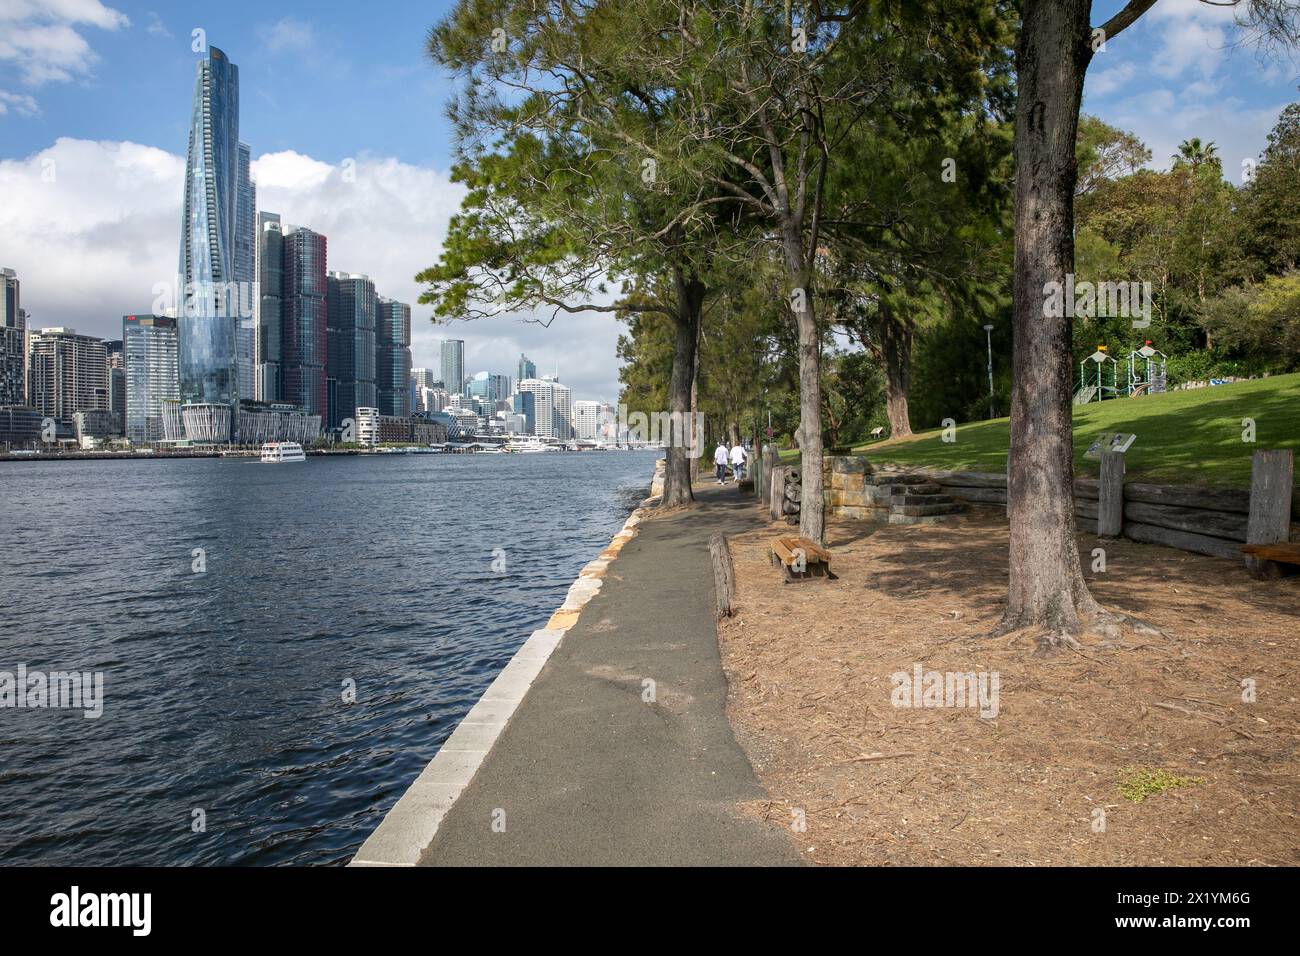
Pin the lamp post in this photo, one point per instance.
(988, 333)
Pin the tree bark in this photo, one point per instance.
(1046, 587)
(686, 323)
(812, 522)
(896, 348)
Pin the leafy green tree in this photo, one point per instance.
(1271, 201)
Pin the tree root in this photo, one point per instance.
(1051, 638)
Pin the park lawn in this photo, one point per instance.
(1189, 437)
(1183, 437)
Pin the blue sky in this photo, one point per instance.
(95, 98)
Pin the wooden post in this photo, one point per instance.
(1110, 501)
(724, 580)
(1271, 476)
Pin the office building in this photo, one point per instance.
(453, 366)
(525, 408)
(113, 348)
(393, 357)
(488, 387)
(350, 364)
(149, 344)
(268, 266)
(246, 275)
(304, 326)
(66, 373)
(588, 420)
(527, 369)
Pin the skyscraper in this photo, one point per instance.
(393, 357)
(246, 275)
(13, 366)
(67, 373)
(269, 268)
(489, 387)
(149, 348)
(453, 366)
(207, 325)
(303, 328)
(527, 369)
(350, 366)
(545, 421)
(116, 383)
(11, 313)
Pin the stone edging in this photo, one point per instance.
(409, 827)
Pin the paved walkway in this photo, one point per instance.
(587, 772)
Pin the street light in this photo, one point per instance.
(988, 332)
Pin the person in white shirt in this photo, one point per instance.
(720, 461)
(738, 461)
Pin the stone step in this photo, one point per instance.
(925, 498)
(925, 511)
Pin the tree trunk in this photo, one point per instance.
(1046, 587)
(896, 348)
(812, 523)
(679, 454)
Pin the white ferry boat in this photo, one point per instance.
(274, 452)
(525, 445)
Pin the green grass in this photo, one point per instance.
(1138, 783)
(1192, 437)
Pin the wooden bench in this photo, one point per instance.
(801, 559)
(1283, 552)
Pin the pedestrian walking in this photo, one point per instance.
(720, 456)
(738, 459)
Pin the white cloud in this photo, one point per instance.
(20, 103)
(157, 28)
(289, 35)
(40, 37)
(1107, 81)
(91, 244)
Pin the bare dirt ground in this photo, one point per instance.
(809, 668)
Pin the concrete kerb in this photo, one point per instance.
(408, 829)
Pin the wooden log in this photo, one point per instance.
(776, 491)
(1215, 524)
(789, 507)
(724, 576)
(795, 476)
(1186, 496)
(770, 461)
(1110, 502)
(1182, 540)
(1269, 521)
(970, 479)
(1087, 488)
(990, 495)
(1086, 508)
(794, 491)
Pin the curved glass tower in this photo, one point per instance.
(210, 300)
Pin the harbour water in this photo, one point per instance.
(234, 609)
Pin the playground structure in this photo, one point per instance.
(1146, 375)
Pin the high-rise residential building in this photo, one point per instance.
(562, 409)
(66, 373)
(269, 269)
(552, 414)
(207, 323)
(13, 366)
(453, 366)
(527, 369)
(304, 326)
(587, 419)
(393, 357)
(350, 365)
(150, 349)
(116, 383)
(246, 275)
(11, 313)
